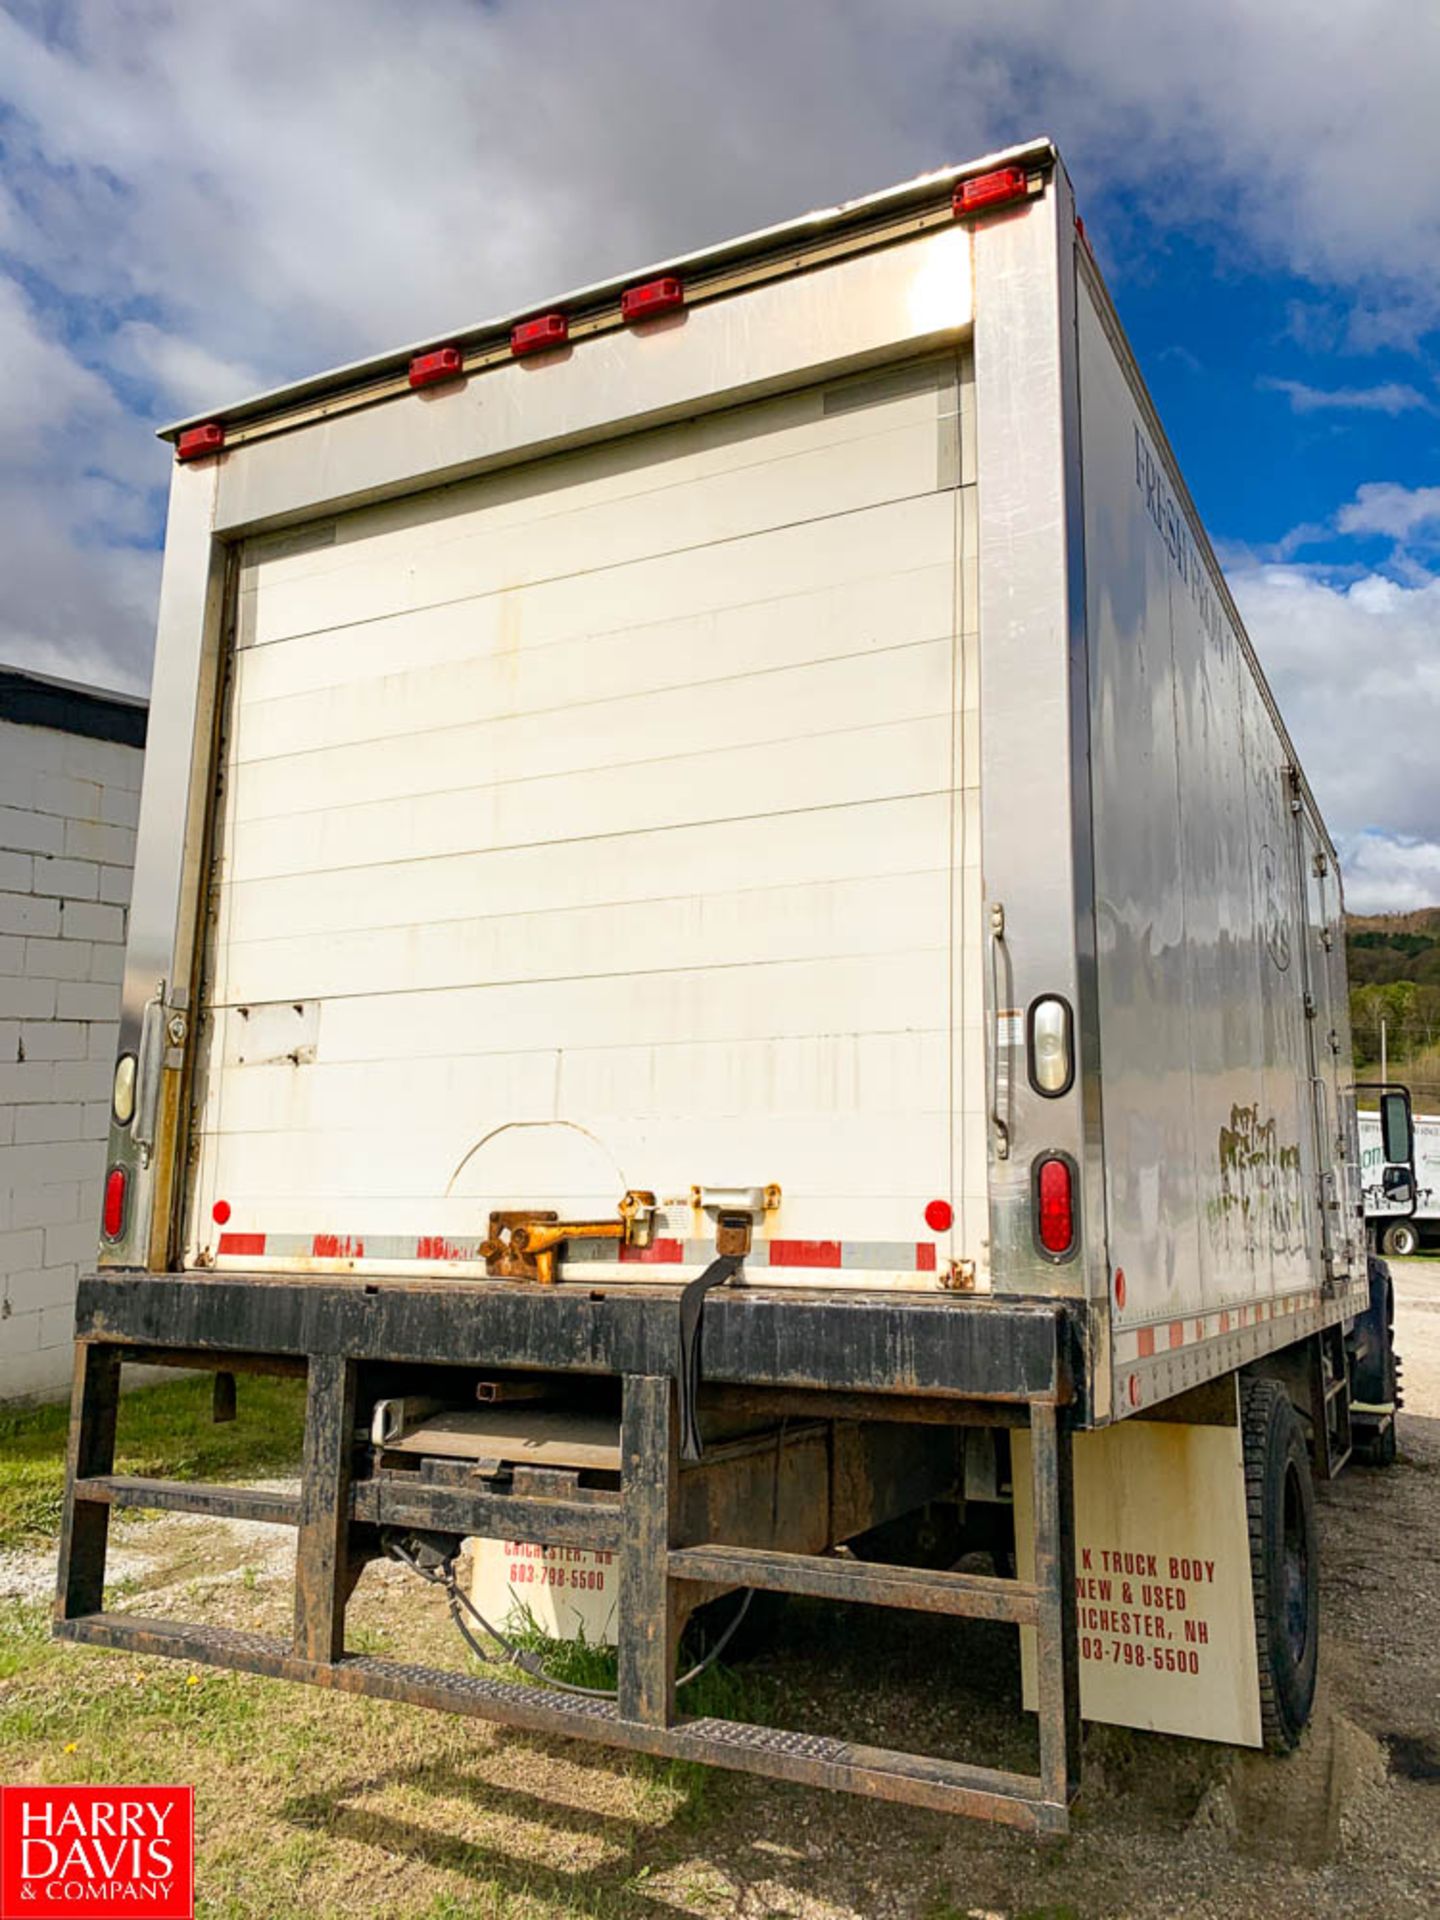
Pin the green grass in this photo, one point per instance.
(720, 1693)
(164, 1432)
(24, 1636)
(724, 1693)
(323, 1803)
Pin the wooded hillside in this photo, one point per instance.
(1394, 961)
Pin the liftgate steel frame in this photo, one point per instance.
(892, 1358)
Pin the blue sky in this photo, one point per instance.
(199, 200)
(1279, 417)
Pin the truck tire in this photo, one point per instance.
(1284, 1561)
(1401, 1239)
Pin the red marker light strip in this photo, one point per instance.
(655, 296)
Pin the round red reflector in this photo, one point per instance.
(220, 1212)
(940, 1216)
(1055, 1206)
(112, 1214)
(1119, 1286)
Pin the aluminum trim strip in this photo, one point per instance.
(1040, 153)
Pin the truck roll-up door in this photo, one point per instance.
(609, 823)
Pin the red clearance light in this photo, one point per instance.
(988, 190)
(112, 1213)
(939, 1216)
(429, 369)
(535, 336)
(656, 296)
(198, 441)
(1055, 1206)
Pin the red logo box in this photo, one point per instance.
(101, 1851)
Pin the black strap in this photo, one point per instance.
(692, 1308)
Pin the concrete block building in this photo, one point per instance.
(70, 760)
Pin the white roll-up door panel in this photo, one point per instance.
(609, 823)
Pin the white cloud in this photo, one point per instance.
(75, 521)
(184, 373)
(1356, 669)
(1390, 397)
(1384, 507)
(1386, 873)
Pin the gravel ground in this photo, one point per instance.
(1346, 1827)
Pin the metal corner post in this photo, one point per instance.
(649, 1453)
(85, 1524)
(1057, 1641)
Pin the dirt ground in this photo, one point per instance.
(314, 1804)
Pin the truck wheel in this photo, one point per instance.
(1402, 1238)
(1284, 1561)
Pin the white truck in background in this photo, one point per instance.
(1401, 1229)
(731, 955)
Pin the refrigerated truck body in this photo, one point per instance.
(716, 855)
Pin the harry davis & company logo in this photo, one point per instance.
(101, 1851)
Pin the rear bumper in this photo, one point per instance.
(889, 1381)
(946, 1347)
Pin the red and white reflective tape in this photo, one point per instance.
(890, 1256)
(1168, 1336)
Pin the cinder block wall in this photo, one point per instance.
(70, 763)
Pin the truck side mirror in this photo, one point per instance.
(1397, 1130)
(1397, 1185)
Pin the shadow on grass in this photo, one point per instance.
(164, 1431)
(603, 1892)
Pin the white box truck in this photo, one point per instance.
(717, 870)
(1401, 1227)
